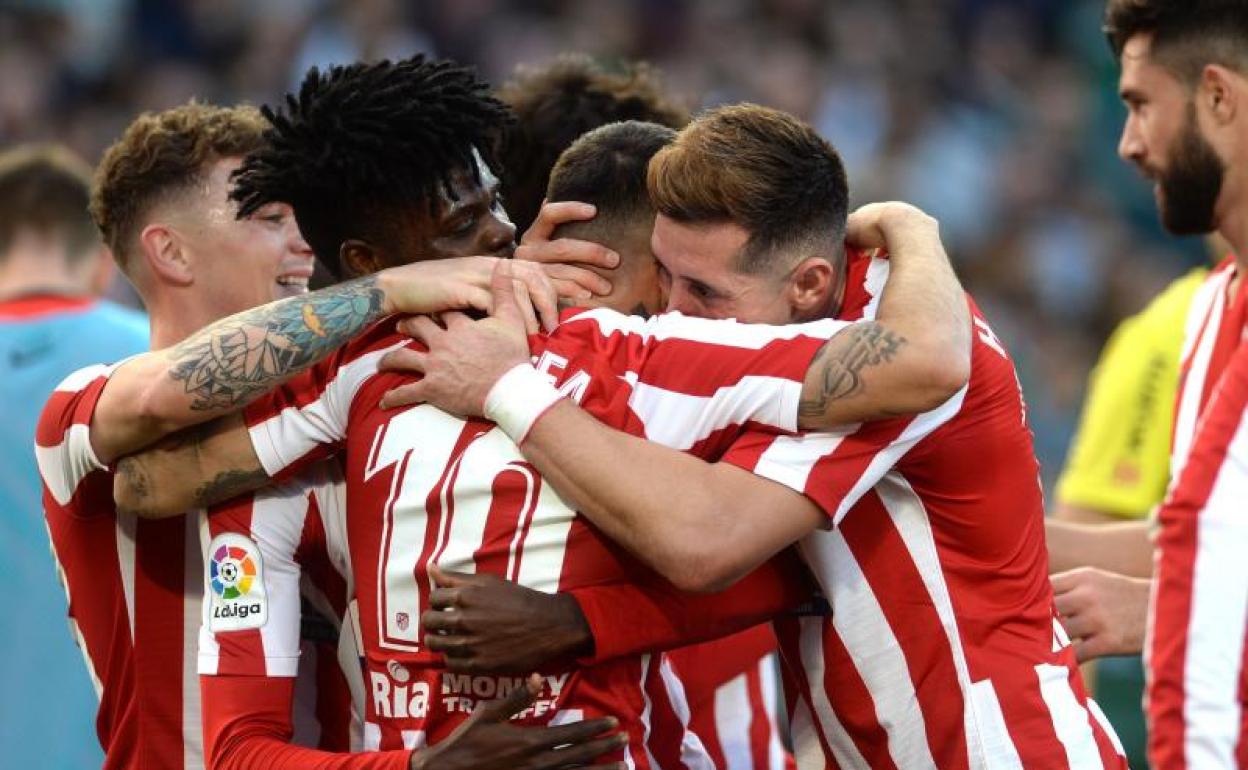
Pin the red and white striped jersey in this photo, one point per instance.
(268, 555)
(1195, 645)
(733, 687)
(425, 487)
(943, 649)
(135, 590)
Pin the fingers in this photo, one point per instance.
(447, 578)
(526, 307)
(516, 701)
(584, 282)
(541, 293)
(1065, 581)
(505, 308)
(404, 360)
(578, 732)
(578, 755)
(551, 215)
(443, 622)
(404, 395)
(421, 328)
(570, 251)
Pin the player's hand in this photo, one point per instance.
(464, 284)
(1103, 613)
(561, 255)
(467, 357)
(869, 227)
(487, 741)
(482, 623)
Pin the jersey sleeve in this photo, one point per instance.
(650, 615)
(247, 726)
(1196, 636)
(63, 450)
(1119, 460)
(836, 468)
(695, 377)
(305, 420)
(252, 609)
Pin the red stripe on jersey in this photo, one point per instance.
(890, 570)
(242, 652)
(834, 475)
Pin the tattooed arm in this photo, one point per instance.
(916, 354)
(224, 366)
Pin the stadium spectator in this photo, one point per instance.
(53, 269)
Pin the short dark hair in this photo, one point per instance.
(1187, 34)
(46, 189)
(759, 168)
(607, 167)
(164, 153)
(558, 103)
(359, 142)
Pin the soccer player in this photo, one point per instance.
(425, 487)
(555, 104)
(53, 269)
(925, 533)
(1184, 80)
(134, 587)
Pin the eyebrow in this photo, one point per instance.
(464, 202)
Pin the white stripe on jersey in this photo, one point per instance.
(732, 723)
(125, 528)
(809, 752)
(703, 330)
(768, 675)
(877, 276)
(998, 747)
(1219, 615)
(860, 622)
(1070, 720)
(1103, 721)
(1207, 311)
(323, 421)
(679, 421)
(646, 709)
(65, 465)
(193, 595)
(915, 431)
(693, 754)
(790, 459)
(906, 510)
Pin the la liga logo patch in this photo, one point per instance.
(235, 580)
(232, 571)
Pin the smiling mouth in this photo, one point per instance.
(293, 281)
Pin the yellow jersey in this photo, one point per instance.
(1119, 461)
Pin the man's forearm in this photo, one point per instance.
(221, 368)
(916, 353)
(1124, 548)
(696, 523)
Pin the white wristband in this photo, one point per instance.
(519, 397)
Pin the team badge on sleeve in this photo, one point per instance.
(237, 601)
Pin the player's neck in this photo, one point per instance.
(173, 320)
(23, 275)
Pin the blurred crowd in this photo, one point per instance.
(997, 116)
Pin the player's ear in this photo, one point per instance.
(812, 281)
(166, 255)
(359, 258)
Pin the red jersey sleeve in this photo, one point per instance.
(63, 450)
(247, 725)
(305, 420)
(651, 615)
(835, 469)
(1196, 635)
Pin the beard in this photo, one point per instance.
(1190, 187)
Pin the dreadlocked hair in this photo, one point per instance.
(360, 142)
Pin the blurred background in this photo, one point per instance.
(999, 117)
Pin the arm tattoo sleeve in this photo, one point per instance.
(240, 357)
(841, 361)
